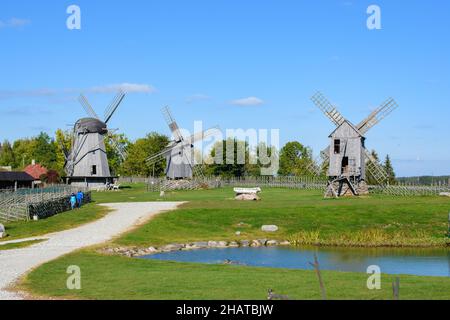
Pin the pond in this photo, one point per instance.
(422, 262)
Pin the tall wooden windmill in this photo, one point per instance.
(87, 162)
(179, 153)
(346, 156)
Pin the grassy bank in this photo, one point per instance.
(59, 222)
(112, 277)
(18, 245)
(302, 216)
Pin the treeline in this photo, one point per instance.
(294, 158)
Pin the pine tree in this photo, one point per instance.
(389, 170)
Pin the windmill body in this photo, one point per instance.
(179, 153)
(177, 164)
(346, 152)
(347, 158)
(91, 160)
(87, 161)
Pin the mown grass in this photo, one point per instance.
(59, 222)
(303, 216)
(18, 245)
(113, 277)
(215, 215)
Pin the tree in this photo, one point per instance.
(295, 159)
(389, 170)
(6, 155)
(115, 160)
(44, 151)
(140, 150)
(63, 144)
(51, 177)
(230, 157)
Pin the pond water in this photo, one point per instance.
(423, 262)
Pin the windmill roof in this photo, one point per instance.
(91, 125)
(35, 170)
(12, 176)
(350, 124)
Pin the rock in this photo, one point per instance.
(238, 233)
(2, 228)
(247, 197)
(262, 241)
(269, 228)
(285, 243)
(233, 244)
(151, 250)
(200, 245)
(255, 243)
(444, 194)
(244, 243)
(212, 244)
(272, 243)
(162, 194)
(222, 244)
(2, 235)
(172, 247)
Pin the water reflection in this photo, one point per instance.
(430, 262)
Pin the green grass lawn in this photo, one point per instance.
(113, 277)
(214, 215)
(59, 222)
(18, 245)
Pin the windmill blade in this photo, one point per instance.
(114, 105)
(159, 156)
(202, 135)
(196, 170)
(377, 115)
(173, 126)
(375, 169)
(87, 107)
(325, 154)
(117, 146)
(328, 109)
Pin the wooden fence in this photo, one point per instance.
(24, 203)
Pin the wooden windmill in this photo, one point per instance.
(346, 156)
(179, 153)
(87, 162)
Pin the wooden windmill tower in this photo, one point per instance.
(179, 153)
(346, 156)
(87, 162)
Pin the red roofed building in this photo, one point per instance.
(35, 170)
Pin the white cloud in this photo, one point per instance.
(14, 23)
(126, 87)
(63, 93)
(250, 101)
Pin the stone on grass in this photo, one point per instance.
(200, 244)
(444, 194)
(272, 243)
(172, 247)
(245, 243)
(222, 244)
(285, 243)
(152, 250)
(248, 197)
(213, 244)
(238, 233)
(2, 231)
(269, 228)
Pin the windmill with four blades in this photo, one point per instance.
(86, 161)
(179, 153)
(346, 157)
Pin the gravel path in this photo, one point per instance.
(16, 263)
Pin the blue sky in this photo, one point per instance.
(236, 64)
